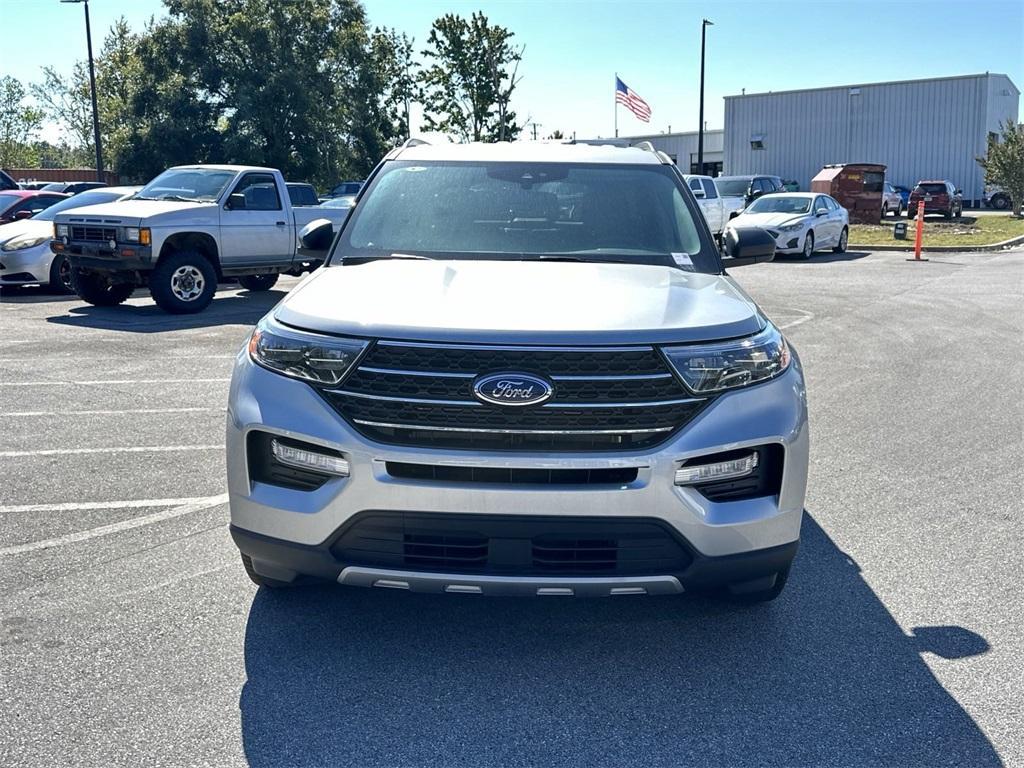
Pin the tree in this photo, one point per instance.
(1004, 163)
(556, 135)
(65, 101)
(18, 125)
(469, 84)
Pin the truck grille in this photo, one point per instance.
(605, 398)
(94, 234)
(507, 544)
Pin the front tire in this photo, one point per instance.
(258, 282)
(60, 275)
(844, 239)
(183, 283)
(98, 290)
(808, 250)
(1000, 202)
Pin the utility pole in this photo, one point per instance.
(533, 128)
(92, 90)
(700, 129)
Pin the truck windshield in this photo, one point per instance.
(526, 211)
(199, 184)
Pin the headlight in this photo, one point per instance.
(131, 234)
(791, 228)
(24, 241)
(731, 364)
(308, 356)
(60, 230)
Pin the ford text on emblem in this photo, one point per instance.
(512, 389)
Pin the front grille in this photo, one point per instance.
(510, 544)
(604, 398)
(94, 234)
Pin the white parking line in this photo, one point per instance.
(63, 414)
(82, 506)
(124, 525)
(125, 449)
(807, 316)
(107, 381)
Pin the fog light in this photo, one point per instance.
(719, 470)
(302, 459)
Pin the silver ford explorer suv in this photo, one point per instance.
(522, 370)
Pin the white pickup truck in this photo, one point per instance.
(715, 208)
(185, 230)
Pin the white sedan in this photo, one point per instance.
(800, 222)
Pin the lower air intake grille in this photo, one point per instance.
(510, 544)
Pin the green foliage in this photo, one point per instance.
(18, 125)
(1004, 163)
(469, 84)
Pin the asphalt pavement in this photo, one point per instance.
(129, 634)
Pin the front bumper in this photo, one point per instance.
(124, 257)
(788, 242)
(27, 266)
(289, 532)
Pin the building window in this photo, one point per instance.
(757, 141)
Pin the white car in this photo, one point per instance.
(800, 222)
(710, 202)
(25, 255)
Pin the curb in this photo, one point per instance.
(941, 248)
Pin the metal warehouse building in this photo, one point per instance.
(682, 148)
(920, 129)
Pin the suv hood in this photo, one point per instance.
(520, 302)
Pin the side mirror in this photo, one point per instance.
(316, 237)
(22, 215)
(698, 193)
(821, 212)
(747, 245)
(236, 202)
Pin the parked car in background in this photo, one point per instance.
(904, 193)
(72, 187)
(184, 231)
(345, 201)
(791, 185)
(892, 201)
(997, 198)
(800, 222)
(345, 188)
(709, 200)
(939, 196)
(25, 255)
(6, 182)
(748, 188)
(18, 204)
(34, 185)
(302, 194)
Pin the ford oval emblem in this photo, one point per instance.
(512, 389)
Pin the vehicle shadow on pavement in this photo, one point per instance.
(33, 294)
(244, 308)
(823, 676)
(823, 257)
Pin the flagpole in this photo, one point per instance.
(616, 105)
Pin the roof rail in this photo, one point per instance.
(414, 142)
(646, 146)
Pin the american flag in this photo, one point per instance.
(627, 96)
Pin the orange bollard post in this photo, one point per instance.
(920, 231)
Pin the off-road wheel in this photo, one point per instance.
(258, 282)
(183, 283)
(97, 289)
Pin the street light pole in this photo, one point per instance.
(92, 91)
(700, 128)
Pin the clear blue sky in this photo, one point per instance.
(574, 48)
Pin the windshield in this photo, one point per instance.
(508, 210)
(733, 187)
(78, 201)
(780, 204)
(6, 201)
(199, 184)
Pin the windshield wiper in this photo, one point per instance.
(180, 199)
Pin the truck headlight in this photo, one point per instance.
(60, 230)
(309, 356)
(137, 235)
(22, 242)
(731, 364)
